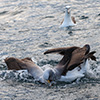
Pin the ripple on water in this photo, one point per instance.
(3, 12)
(46, 44)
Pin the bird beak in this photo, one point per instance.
(68, 11)
(48, 81)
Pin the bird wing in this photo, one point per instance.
(62, 21)
(12, 63)
(73, 19)
(18, 64)
(66, 52)
(72, 57)
(78, 57)
(62, 51)
(26, 63)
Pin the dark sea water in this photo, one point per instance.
(28, 28)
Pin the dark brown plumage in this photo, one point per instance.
(73, 57)
(62, 51)
(24, 64)
(66, 52)
(19, 64)
(73, 19)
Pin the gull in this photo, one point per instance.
(68, 19)
(73, 61)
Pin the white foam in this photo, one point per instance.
(76, 73)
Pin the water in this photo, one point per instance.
(28, 28)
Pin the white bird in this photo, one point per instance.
(68, 19)
(69, 68)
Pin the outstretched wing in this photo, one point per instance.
(61, 51)
(78, 57)
(72, 57)
(26, 63)
(66, 52)
(18, 64)
(13, 63)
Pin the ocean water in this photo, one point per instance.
(30, 27)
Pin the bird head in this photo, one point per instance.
(49, 76)
(68, 9)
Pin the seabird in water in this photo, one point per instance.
(48, 76)
(68, 19)
(72, 58)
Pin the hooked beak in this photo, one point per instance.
(48, 81)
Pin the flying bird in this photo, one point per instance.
(68, 19)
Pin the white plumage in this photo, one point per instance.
(76, 73)
(70, 76)
(68, 20)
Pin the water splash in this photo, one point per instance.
(92, 72)
(21, 75)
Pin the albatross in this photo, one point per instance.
(68, 19)
(74, 59)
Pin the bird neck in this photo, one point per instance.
(57, 73)
(35, 71)
(67, 15)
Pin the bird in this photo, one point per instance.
(68, 19)
(72, 61)
(37, 73)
